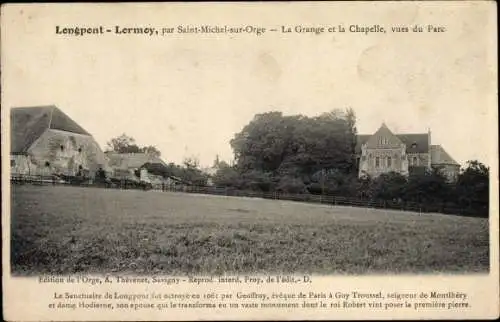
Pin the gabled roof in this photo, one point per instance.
(132, 160)
(440, 157)
(27, 124)
(415, 142)
(383, 132)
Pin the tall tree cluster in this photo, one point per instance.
(126, 144)
(296, 145)
(316, 155)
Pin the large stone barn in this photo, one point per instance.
(46, 141)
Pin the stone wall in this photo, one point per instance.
(400, 161)
(422, 159)
(66, 153)
(21, 164)
(389, 159)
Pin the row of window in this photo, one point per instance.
(388, 161)
(370, 157)
(385, 141)
(413, 161)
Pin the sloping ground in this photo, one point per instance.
(70, 229)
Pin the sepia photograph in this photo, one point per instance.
(217, 148)
(300, 195)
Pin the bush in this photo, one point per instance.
(291, 185)
(257, 181)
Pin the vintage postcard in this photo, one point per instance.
(249, 161)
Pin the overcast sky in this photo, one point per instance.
(189, 94)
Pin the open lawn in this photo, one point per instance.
(65, 230)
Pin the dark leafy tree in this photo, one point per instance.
(473, 187)
(226, 175)
(290, 184)
(126, 144)
(296, 145)
(257, 181)
(152, 150)
(388, 186)
(429, 187)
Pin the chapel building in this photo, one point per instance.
(385, 151)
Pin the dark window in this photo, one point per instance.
(62, 148)
(47, 163)
(12, 163)
(389, 162)
(80, 150)
(377, 162)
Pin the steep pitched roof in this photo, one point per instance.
(440, 156)
(132, 160)
(415, 143)
(383, 132)
(60, 121)
(28, 123)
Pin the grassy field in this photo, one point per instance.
(69, 229)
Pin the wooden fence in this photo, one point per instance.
(335, 200)
(224, 191)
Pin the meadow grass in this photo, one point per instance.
(66, 230)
